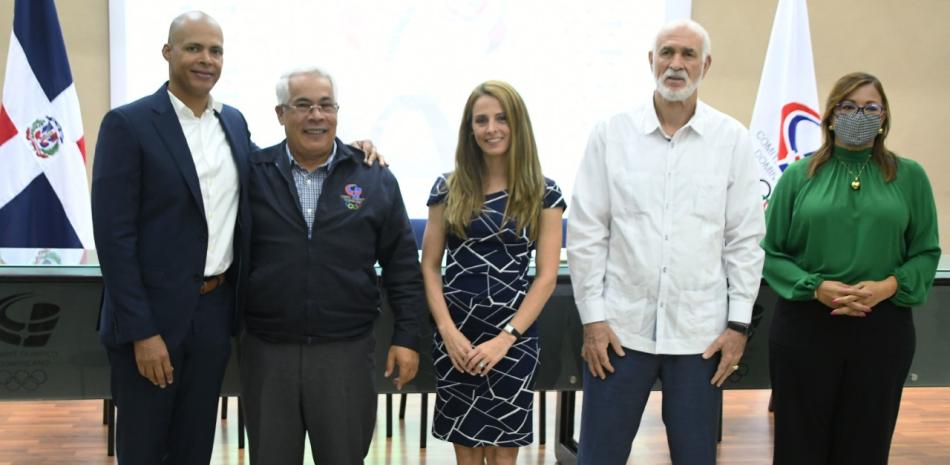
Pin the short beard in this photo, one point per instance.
(677, 95)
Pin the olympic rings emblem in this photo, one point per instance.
(24, 380)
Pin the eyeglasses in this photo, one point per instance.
(850, 108)
(327, 108)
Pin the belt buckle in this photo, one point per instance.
(211, 284)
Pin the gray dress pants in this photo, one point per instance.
(325, 391)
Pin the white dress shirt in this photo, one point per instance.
(663, 236)
(217, 178)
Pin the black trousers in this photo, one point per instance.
(837, 382)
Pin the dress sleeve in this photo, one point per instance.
(553, 197)
(915, 275)
(781, 269)
(439, 190)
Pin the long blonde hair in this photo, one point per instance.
(849, 83)
(525, 181)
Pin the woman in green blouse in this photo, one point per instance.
(851, 245)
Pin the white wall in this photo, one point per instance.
(403, 69)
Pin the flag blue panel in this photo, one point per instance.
(36, 27)
(35, 218)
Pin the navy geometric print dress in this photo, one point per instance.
(484, 283)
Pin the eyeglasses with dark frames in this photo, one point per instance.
(303, 108)
(848, 107)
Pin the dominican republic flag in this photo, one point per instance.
(786, 124)
(44, 194)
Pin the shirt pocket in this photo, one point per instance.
(709, 201)
(639, 193)
(703, 311)
(629, 307)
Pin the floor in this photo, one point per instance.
(41, 433)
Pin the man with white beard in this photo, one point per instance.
(663, 246)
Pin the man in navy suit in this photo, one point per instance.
(165, 201)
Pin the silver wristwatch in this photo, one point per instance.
(510, 329)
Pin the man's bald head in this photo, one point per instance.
(181, 21)
(195, 55)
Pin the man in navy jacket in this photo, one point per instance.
(321, 220)
(165, 201)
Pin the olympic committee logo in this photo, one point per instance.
(353, 198)
(27, 328)
(799, 123)
(46, 136)
(22, 380)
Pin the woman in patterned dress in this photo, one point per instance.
(490, 214)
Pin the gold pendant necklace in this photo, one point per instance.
(856, 177)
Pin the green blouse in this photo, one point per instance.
(820, 228)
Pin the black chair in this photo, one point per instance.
(418, 228)
(758, 312)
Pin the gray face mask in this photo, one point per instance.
(857, 129)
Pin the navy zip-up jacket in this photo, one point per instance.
(325, 288)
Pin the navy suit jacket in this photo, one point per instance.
(149, 223)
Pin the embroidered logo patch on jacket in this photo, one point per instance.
(352, 198)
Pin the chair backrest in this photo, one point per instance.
(418, 227)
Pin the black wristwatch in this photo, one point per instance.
(741, 328)
(510, 329)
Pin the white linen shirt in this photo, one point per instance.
(217, 178)
(663, 235)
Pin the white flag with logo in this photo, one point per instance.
(786, 125)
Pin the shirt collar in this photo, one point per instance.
(183, 111)
(698, 123)
(326, 164)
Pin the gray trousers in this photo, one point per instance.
(325, 391)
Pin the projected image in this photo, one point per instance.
(404, 69)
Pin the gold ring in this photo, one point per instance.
(481, 364)
(735, 367)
